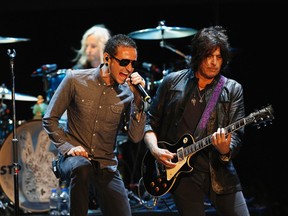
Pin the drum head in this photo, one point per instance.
(35, 178)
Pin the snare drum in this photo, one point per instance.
(35, 155)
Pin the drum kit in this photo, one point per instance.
(162, 33)
(6, 124)
(36, 150)
(35, 153)
(51, 78)
(6, 94)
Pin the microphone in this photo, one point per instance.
(143, 93)
(150, 67)
(46, 68)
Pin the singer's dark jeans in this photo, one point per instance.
(110, 191)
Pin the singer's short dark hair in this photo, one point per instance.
(119, 40)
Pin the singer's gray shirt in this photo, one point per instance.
(95, 114)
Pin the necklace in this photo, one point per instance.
(200, 97)
(193, 100)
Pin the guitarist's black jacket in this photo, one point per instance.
(165, 113)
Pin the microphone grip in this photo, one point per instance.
(143, 93)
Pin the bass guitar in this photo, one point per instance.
(158, 179)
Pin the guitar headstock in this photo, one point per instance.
(263, 116)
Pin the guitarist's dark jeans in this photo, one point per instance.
(191, 192)
(110, 189)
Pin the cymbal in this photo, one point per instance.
(6, 94)
(4, 40)
(162, 32)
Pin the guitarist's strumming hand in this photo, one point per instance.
(162, 155)
(221, 141)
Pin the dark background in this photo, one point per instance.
(257, 35)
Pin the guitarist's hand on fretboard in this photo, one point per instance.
(221, 141)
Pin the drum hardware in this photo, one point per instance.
(163, 44)
(158, 82)
(5, 207)
(51, 78)
(6, 127)
(14, 164)
(6, 94)
(3, 109)
(152, 83)
(54, 79)
(187, 58)
(151, 67)
(4, 40)
(44, 71)
(162, 32)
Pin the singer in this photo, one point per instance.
(100, 103)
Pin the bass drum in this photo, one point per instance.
(35, 177)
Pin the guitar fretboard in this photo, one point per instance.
(203, 143)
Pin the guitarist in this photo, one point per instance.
(177, 109)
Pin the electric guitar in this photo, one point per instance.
(158, 179)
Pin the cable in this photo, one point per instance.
(146, 203)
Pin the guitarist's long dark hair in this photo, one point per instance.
(206, 42)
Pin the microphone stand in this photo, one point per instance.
(16, 167)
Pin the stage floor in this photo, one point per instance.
(163, 206)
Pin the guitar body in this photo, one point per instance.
(157, 179)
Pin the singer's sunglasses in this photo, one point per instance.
(125, 62)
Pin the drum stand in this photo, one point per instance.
(16, 167)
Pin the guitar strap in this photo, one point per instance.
(211, 104)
